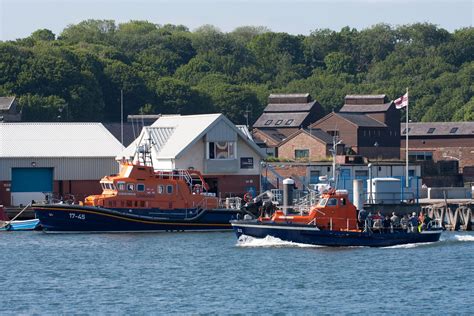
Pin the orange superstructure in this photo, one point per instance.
(140, 186)
(334, 211)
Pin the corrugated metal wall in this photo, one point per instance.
(64, 168)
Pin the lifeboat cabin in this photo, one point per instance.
(141, 187)
(334, 211)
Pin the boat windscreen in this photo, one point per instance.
(322, 202)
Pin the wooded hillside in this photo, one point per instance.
(77, 75)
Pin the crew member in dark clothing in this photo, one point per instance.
(386, 224)
(361, 218)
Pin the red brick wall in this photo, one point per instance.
(234, 184)
(347, 131)
(461, 148)
(317, 150)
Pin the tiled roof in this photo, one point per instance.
(361, 120)
(439, 128)
(130, 131)
(289, 107)
(57, 140)
(322, 135)
(289, 98)
(6, 102)
(365, 108)
(365, 96)
(277, 134)
(278, 120)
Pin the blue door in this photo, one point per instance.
(32, 180)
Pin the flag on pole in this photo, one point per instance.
(402, 101)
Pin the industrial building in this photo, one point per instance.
(54, 160)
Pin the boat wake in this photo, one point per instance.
(407, 246)
(457, 237)
(444, 239)
(269, 241)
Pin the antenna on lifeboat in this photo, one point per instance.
(335, 141)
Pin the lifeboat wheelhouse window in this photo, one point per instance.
(169, 189)
(121, 186)
(161, 189)
(140, 187)
(332, 202)
(130, 186)
(323, 202)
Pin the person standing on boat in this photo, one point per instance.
(395, 220)
(404, 222)
(413, 222)
(421, 221)
(362, 218)
(387, 223)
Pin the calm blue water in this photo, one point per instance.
(208, 273)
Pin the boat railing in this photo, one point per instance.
(234, 203)
(181, 174)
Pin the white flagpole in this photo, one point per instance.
(406, 145)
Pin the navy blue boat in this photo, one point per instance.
(333, 222)
(76, 218)
(140, 199)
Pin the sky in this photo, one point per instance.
(19, 18)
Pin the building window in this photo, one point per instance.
(279, 122)
(246, 163)
(361, 174)
(333, 133)
(420, 156)
(221, 150)
(169, 189)
(268, 122)
(301, 153)
(453, 130)
(140, 187)
(289, 122)
(431, 130)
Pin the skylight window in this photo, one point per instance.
(289, 122)
(431, 130)
(405, 130)
(453, 130)
(268, 122)
(279, 122)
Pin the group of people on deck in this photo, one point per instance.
(387, 224)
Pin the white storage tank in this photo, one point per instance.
(384, 191)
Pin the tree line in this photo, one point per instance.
(78, 74)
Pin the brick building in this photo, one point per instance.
(369, 125)
(441, 142)
(308, 145)
(284, 115)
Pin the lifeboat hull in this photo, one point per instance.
(310, 234)
(75, 218)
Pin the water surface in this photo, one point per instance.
(212, 273)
